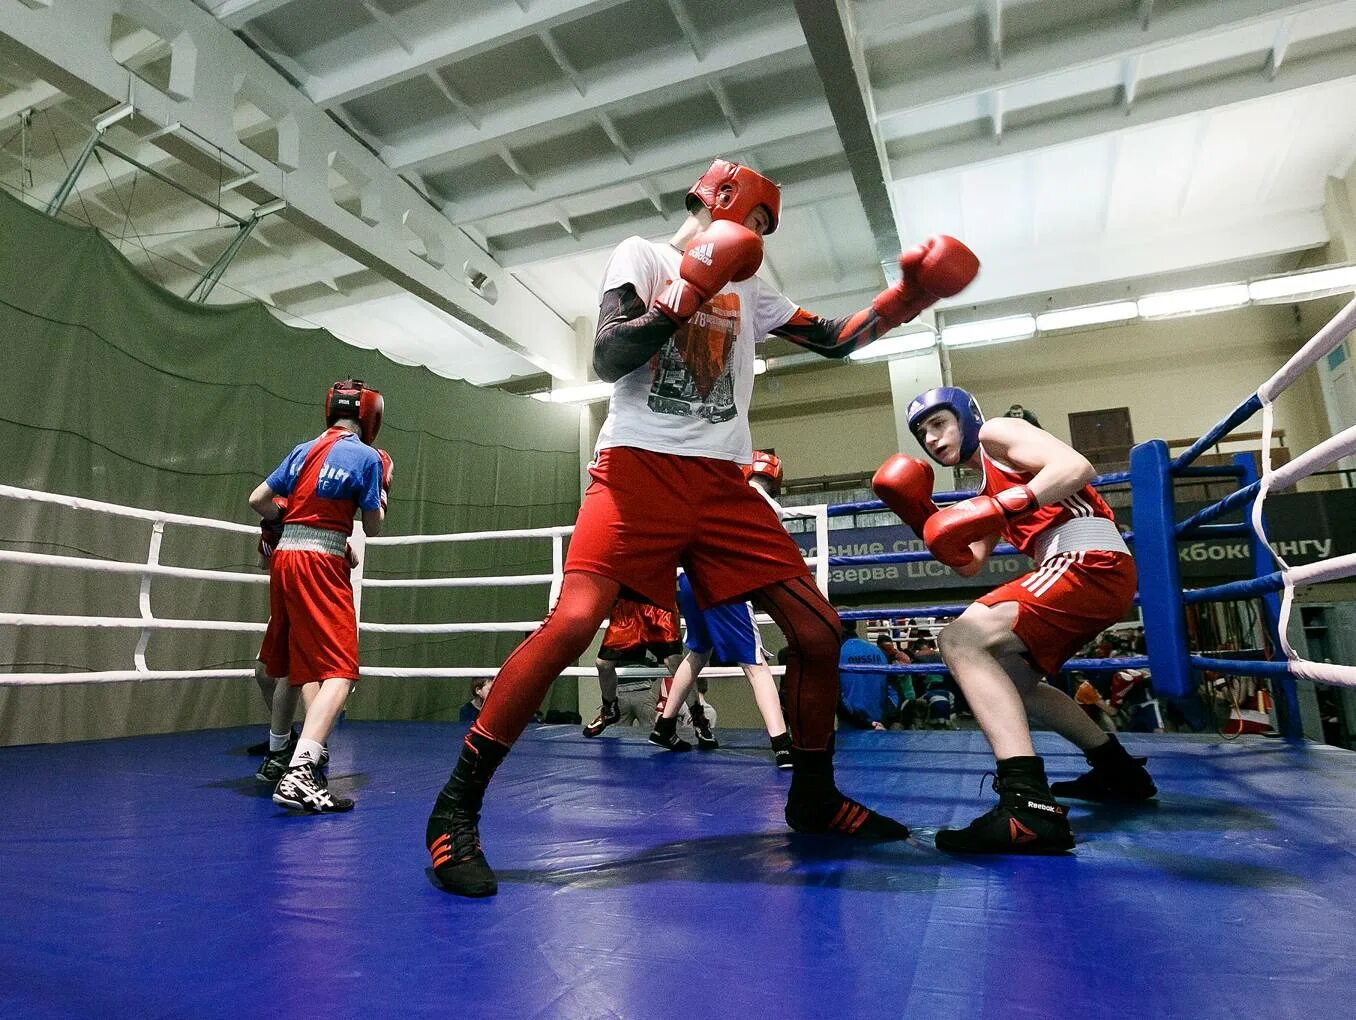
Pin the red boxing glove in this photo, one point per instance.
(949, 533)
(904, 484)
(722, 252)
(387, 470)
(939, 267)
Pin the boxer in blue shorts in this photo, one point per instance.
(730, 634)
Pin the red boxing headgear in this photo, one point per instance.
(351, 398)
(731, 191)
(769, 466)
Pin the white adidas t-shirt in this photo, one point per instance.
(692, 397)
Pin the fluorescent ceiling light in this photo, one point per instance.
(1087, 315)
(585, 394)
(986, 331)
(1197, 299)
(760, 365)
(1319, 283)
(888, 347)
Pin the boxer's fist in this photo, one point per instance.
(722, 252)
(387, 471)
(939, 267)
(270, 532)
(948, 533)
(904, 484)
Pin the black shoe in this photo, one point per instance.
(1116, 778)
(665, 735)
(303, 788)
(815, 804)
(701, 726)
(608, 713)
(781, 751)
(1026, 819)
(273, 766)
(452, 835)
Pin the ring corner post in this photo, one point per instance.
(1160, 584)
(1287, 695)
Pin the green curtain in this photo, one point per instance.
(120, 391)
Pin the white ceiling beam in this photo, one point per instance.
(1130, 75)
(689, 30)
(1335, 66)
(237, 13)
(563, 62)
(993, 16)
(614, 136)
(693, 152)
(1146, 13)
(37, 95)
(454, 97)
(722, 97)
(389, 23)
(359, 70)
(767, 45)
(1279, 46)
(1075, 48)
(842, 69)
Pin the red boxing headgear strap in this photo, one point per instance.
(769, 466)
(731, 191)
(351, 398)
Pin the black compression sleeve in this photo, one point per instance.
(628, 335)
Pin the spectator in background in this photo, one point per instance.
(900, 683)
(864, 699)
(471, 710)
(1018, 411)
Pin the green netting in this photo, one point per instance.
(120, 391)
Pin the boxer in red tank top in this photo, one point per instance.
(1036, 495)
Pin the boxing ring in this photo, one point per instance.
(153, 876)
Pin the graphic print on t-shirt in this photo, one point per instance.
(693, 374)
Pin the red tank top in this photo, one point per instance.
(1025, 532)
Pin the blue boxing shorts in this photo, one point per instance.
(727, 631)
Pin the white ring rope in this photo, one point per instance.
(1315, 459)
(148, 624)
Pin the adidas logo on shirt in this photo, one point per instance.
(702, 253)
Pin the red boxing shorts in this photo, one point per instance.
(1066, 602)
(633, 627)
(312, 629)
(646, 512)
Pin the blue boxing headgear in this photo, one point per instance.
(960, 403)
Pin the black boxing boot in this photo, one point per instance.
(815, 805)
(453, 834)
(1116, 777)
(1026, 819)
(665, 735)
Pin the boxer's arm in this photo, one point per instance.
(628, 334)
(261, 502)
(1057, 469)
(833, 338)
(372, 522)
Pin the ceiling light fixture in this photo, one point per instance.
(1086, 315)
(1313, 284)
(890, 347)
(990, 331)
(588, 393)
(1193, 301)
